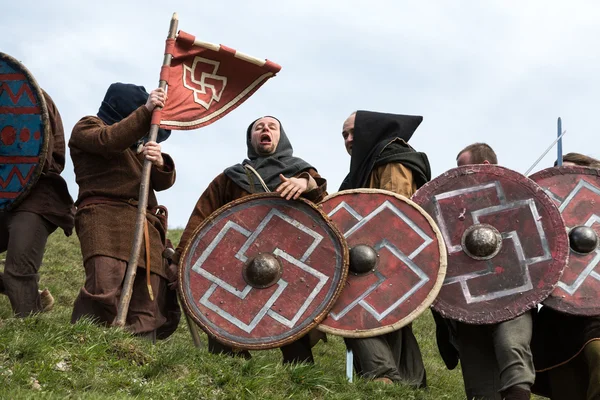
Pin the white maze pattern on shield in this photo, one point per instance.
(589, 271)
(384, 243)
(282, 284)
(524, 262)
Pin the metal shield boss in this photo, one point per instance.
(576, 192)
(397, 262)
(506, 242)
(261, 271)
(24, 132)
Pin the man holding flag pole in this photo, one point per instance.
(108, 151)
(205, 82)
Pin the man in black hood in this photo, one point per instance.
(270, 167)
(382, 159)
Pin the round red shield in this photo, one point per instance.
(397, 262)
(576, 192)
(506, 242)
(262, 271)
(24, 132)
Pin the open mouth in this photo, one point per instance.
(265, 139)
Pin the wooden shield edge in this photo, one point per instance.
(544, 199)
(429, 299)
(45, 122)
(321, 316)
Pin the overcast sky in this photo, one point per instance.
(493, 71)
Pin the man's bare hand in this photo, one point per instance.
(152, 152)
(292, 187)
(157, 98)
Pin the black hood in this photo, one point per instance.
(381, 138)
(282, 161)
(120, 101)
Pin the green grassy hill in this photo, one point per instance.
(45, 357)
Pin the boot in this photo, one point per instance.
(515, 393)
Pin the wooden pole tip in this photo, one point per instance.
(175, 16)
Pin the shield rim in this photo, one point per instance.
(431, 296)
(282, 342)
(499, 315)
(37, 172)
(548, 173)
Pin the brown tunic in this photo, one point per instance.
(50, 196)
(394, 177)
(106, 167)
(223, 190)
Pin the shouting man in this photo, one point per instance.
(270, 166)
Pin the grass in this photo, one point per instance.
(46, 357)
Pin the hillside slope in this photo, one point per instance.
(45, 357)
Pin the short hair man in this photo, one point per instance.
(476, 153)
(496, 359)
(579, 159)
(108, 152)
(24, 229)
(381, 159)
(270, 155)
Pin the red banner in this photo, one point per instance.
(207, 81)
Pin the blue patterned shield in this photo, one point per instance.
(24, 131)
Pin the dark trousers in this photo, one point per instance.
(23, 236)
(495, 357)
(293, 353)
(578, 379)
(395, 355)
(99, 299)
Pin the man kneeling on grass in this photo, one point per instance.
(108, 153)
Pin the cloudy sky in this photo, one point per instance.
(494, 71)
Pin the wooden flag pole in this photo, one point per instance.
(142, 205)
(193, 330)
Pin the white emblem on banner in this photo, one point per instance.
(202, 79)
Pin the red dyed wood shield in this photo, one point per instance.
(24, 132)
(522, 254)
(311, 252)
(410, 264)
(576, 192)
